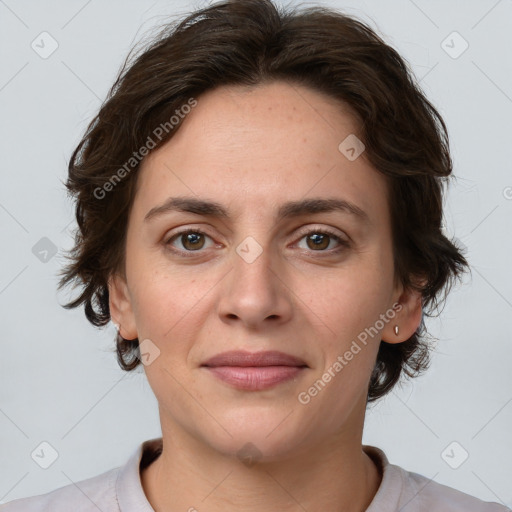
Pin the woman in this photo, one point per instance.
(259, 206)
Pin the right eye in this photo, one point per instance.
(192, 240)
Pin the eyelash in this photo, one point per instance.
(344, 244)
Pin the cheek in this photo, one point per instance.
(160, 304)
(168, 301)
(350, 299)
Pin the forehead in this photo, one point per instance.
(264, 144)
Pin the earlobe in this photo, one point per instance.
(121, 311)
(407, 317)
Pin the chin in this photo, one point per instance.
(258, 437)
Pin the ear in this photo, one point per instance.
(408, 313)
(120, 304)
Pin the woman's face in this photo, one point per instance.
(306, 284)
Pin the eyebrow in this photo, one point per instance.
(286, 211)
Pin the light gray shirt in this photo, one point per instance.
(120, 490)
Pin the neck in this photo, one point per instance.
(333, 475)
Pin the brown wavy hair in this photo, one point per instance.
(251, 42)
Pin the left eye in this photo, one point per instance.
(320, 240)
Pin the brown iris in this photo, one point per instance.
(318, 240)
(192, 239)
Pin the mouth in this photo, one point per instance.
(254, 371)
(244, 358)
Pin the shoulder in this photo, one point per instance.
(114, 490)
(92, 494)
(411, 492)
(433, 496)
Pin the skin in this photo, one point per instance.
(252, 149)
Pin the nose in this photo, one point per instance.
(255, 291)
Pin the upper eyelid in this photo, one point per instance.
(302, 229)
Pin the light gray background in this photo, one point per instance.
(59, 381)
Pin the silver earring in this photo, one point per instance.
(396, 330)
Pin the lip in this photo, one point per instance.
(254, 371)
(244, 358)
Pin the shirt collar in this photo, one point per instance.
(129, 491)
(391, 487)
